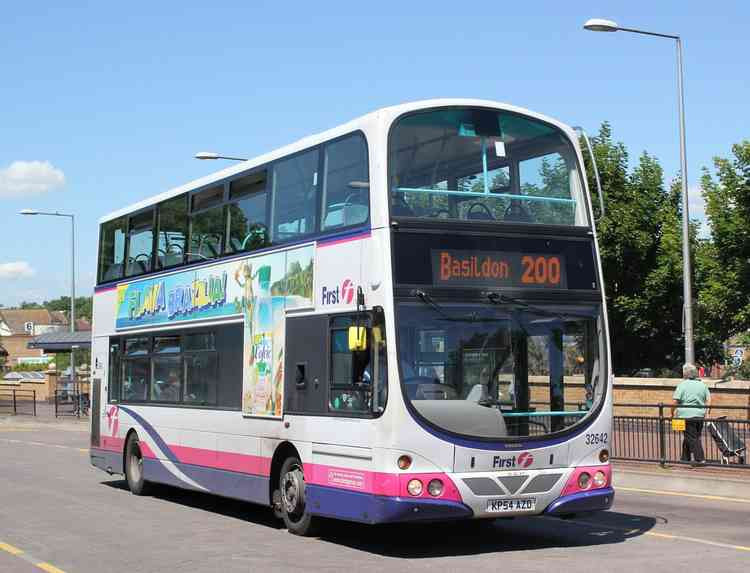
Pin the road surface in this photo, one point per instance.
(59, 514)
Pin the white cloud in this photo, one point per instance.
(22, 178)
(16, 270)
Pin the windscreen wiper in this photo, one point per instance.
(429, 301)
(497, 298)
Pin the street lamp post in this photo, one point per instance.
(212, 155)
(72, 286)
(599, 25)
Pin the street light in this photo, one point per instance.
(600, 25)
(212, 155)
(72, 283)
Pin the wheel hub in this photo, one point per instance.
(293, 491)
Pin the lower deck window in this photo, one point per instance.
(187, 368)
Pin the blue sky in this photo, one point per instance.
(106, 104)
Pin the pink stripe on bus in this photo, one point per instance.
(230, 461)
(111, 444)
(365, 481)
(378, 483)
(343, 240)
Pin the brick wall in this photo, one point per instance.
(647, 391)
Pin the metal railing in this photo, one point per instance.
(654, 438)
(18, 402)
(69, 403)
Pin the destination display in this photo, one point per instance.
(474, 261)
(497, 268)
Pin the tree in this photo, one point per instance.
(724, 262)
(83, 306)
(640, 243)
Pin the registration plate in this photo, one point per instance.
(519, 504)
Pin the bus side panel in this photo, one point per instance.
(106, 446)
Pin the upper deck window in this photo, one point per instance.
(172, 235)
(112, 249)
(346, 187)
(247, 213)
(295, 184)
(482, 164)
(140, 243)
(207, 224)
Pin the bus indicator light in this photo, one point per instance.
(435, 488)
(584, 480)
(404, 462)
(415, 487)
(600, 480)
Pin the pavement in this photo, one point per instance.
(706, 481)
(58, 514)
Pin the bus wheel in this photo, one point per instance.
(134, 467)
(293, 509)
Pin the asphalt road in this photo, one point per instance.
(70, 517)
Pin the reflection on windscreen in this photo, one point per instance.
(500, 370)
(481, 164)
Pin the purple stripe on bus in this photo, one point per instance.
(106, 460)
(595, 500)
(244, 487)
(369, 508)
(151, 431)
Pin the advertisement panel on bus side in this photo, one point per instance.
(259, 288)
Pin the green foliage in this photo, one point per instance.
(723, 264)
(84, 305)
(29, 367)
(640, 241)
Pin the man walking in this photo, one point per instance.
(691, 399)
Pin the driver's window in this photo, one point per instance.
(358, 380)
(350, 371)
(346, 187)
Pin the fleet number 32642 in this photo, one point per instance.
(594, 439)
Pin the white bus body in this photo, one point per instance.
(252, 339)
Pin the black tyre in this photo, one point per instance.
(134, 467)
(293, 504)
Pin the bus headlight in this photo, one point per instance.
(414, 487)
(600, 480)
(584, 480)
(435, 487)
(404, 462)
(604, 456)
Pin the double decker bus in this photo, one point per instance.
(399, 319)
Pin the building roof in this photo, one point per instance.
(61, 341)
(15, 319)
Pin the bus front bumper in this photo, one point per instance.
(595, 500)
